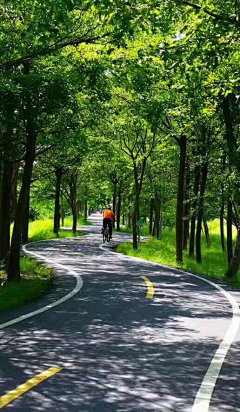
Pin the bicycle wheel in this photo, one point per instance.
(104, 236)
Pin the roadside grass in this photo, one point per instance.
(214, 261)
(36, 280)
(43, 229)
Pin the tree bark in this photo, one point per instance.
(180, 199)
(57, 216)
(229, 230)
(25, 226)
(62, 211)
(5, 210)
(157, 217)
(194, 205)
(206, 231)
(134, 221)
(186, 210)
(222, 226)
(151, 217)
(13, 266)
(235, 261)
(200, 213)
(85, 210)
(119, 210)
(74, 214)
(14, 189)
(114, 201)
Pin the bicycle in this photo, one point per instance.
(106, 234)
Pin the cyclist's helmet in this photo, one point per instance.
(109, 207)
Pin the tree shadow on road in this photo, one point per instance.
(121, 351)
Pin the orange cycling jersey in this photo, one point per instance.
(108, 214)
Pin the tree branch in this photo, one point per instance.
(218, 17)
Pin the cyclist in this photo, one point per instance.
(108, 215)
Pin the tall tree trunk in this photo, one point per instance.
(74, 214)
(151, 217)
(222, 226)
(223, 166)
(13, 266)
(206, 231)
(194, 205)
(85, 210)
(186, 210)
(62, 210)
(180, 199)
(5, 210)
(58, 174)
(25, 226)
(134, 221)
(14, 189)
(229, 230)
(235, 261)
(119, 210)
(157, 216)
(114, 202)
(200, 213)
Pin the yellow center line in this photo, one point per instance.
(150, 288)
(25, 387)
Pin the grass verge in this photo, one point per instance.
(214, 261)
(36, 279)
(43, 229)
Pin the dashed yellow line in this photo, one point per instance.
(150, 287)
(25, 387)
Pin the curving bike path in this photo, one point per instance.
(119, 350)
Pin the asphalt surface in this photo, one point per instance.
(119, 351)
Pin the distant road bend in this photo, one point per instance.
(120, 334)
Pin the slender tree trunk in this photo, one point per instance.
(193, 218)
(62, 210)
(85, 210)
(58, 174)
(129, 220)
(157, 210)
(229, 230)
(235, 261)
(25, 226)
(186, 210)
(114, 202)
(5, 210)
(206, 231)
(6, 184)
(74, 214)
(13, 266)
(222, 227)
(119, 210)
(123, 220)
(151, 216)
(200, 213)
(14, 189)
(134, 221)
(180, 199)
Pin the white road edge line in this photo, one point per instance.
(78, 287)
(204, 395)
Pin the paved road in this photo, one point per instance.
(119, 351)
